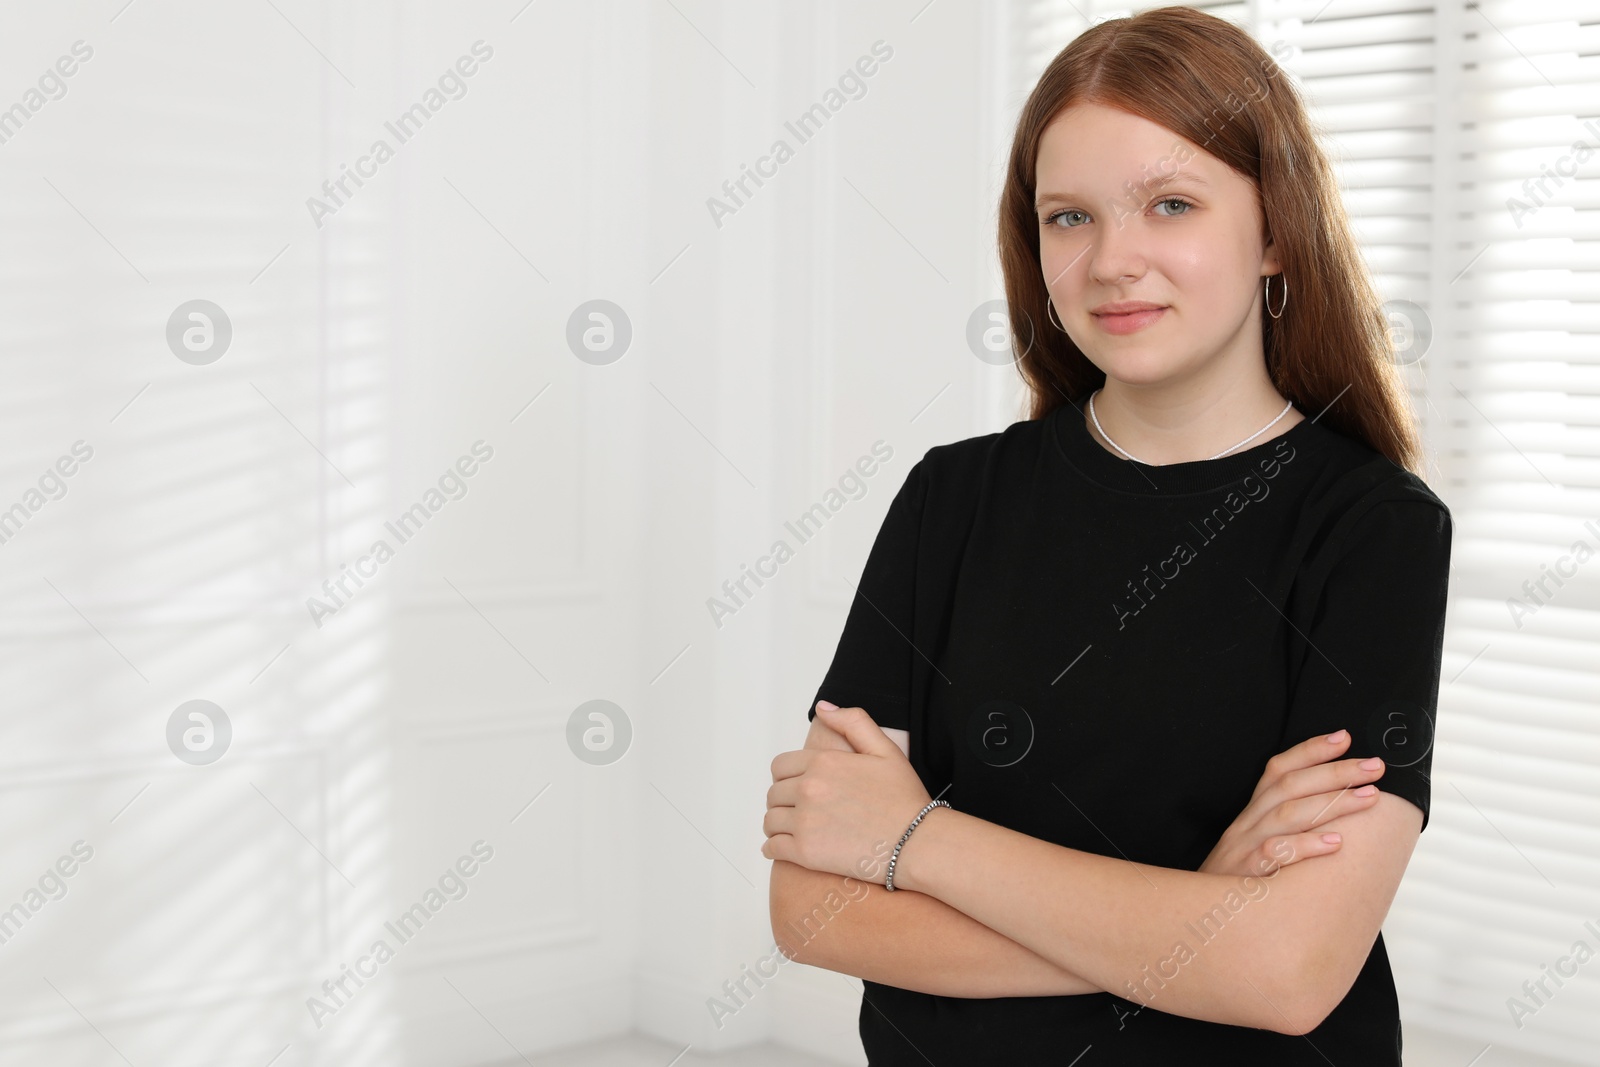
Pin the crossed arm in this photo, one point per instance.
(913, 941)
(1192, 943)
(990, 912)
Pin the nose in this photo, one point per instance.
(1117, 253)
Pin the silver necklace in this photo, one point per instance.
(1219, 455)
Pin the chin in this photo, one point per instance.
(1137, 369)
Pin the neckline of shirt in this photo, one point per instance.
(1078, 447)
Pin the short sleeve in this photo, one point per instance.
(872, 665)
(1369, 658)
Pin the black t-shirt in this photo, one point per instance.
(1104, 655)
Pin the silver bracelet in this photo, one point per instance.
(888, 881)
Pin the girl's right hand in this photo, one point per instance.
(1300, 791)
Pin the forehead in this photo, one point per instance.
(1091, 146)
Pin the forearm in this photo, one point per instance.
(904, 939)
(1194, 944)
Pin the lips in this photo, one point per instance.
(1123, 307)
(1129, 322)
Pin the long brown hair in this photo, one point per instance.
(1205, 79)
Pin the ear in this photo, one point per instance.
(1270, 263)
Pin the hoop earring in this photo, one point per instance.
(1266, 297)
(1056, 322)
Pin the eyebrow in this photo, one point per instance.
(1180, 178)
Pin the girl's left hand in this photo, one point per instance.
(842, 812)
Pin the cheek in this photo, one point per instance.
(1211, 267)
(1061, 263)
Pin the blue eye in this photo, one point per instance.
(1070, 211)
(1051, 219)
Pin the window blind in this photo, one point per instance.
(1466, 139)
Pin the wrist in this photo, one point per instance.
(905, 874)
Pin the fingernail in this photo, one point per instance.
(1371, 764)
(825, 706)
(1366, 790)
(1335, 738)
(1332, 839)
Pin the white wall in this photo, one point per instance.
(368, 354)
(826, 313)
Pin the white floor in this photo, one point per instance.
(1427, 1049)
(1422, 1050)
